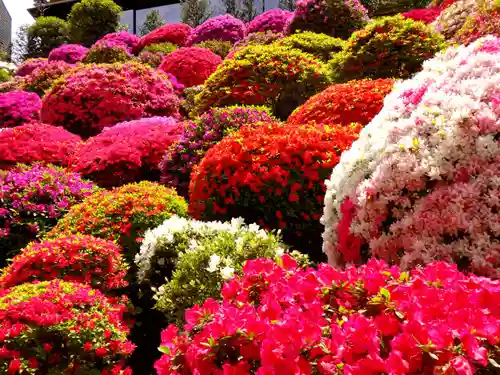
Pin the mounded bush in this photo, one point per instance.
(389, 47)
(80, 259)
(36, 142)
(424, 15)
(175, 33)
(128, 40)
(320, 46)
(164, 48)
(46, 34)
(122, 214)
(253, 39)
(485, 22)
(18, 107)
(69, 53)
(274, 20)
(200, 135)
(344, 103)
(425, 187)
(279, 77)
(92, 97)
(127, 152)
(189, 95)
(451, 20)
(337, 18)
(224, 27)
(61, 326)
(42, 78)
(33, 199)
(29, 66)
(271, 174)
(153, 59)
(371, 320)
(108, 52)
(219, 47)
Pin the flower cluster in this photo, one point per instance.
(279, 77)
(122, 214)
(271, 174)
(389, 47)
(355, 101)
(199, 136)
(338, 18)
(33, 199)
(11, 84)
(108, 52)
(36, 142)
(80, 259)
(485, 22)
(129, 41)
(426, 15)
(453, 18)
(61, 326)
(69, 53)
(191, 65)
(18, 107)
(273, 20)
(127, 152)
(425, 187)
(219, 47)
(175, 33)
(279, 319)
(320, 46)
(42, 78)
(224, 27)
(92, 97)
(29, 65)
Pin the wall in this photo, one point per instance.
(5, 27)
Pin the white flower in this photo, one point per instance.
(213, 263)
(227, 272)
(280, 251)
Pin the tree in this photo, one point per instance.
(231, 7)
(41, 6)
(46, 34)
(20, 44)
(287, 4)
(153, 21)
(248, 10)
(195, 12)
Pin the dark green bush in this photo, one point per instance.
(46, 34)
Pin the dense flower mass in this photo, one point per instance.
(279, 319)
(175, 33)
(271, 174)
(81, 259)
(320, 46)
(92, 97)
(122, 214)
(64, 327)
(127, 152)
(224, 27)
(153, 59)
(485, 22)
(18, 107)
(29, 65)
(69, 53)
(33, 199)
(355, 101)
(191, 65)
(124, 38)
(279, 77)
(426, 187)
(108, 52)
(453, 18)
(273, 20)
(200, 135)
(425, 15)
(36, 142)
(42, 78)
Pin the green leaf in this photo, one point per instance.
(164, 349)
(385, 293)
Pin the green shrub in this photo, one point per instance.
(46, 34)
(5, 76)
(164, 48)
(320, 45)
(104, 54)
(219, 47)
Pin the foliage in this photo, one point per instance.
(153, 59)
(279, 77)
(152, 22)
(484, 22)
(289, 5)
(277, 318)
(188, 104)
(28, 66)
(202, 134)
(225, 27)
(127, 152)
(46, 34)
(253, 39)
(428, 177)
(195, 12)
(92, 97)
(19, 50)
(453, 18)
(164, 48)
(107, 53)
(42, 78)
(426, 15)
(389, 47)
(320, 46)
(64, 327)
(80, 259)
(175, 33)
(18, 107)
(122, 214)
(5, 75)
(219, 47)
(69, 53)
(273, 20)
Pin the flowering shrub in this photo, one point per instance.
(425, 15)
(412, 195)
(219, 47)
(338, 18)
(42, 78)
(484, 22)
(320, 45)
(92, 97)
(153, 59)
(273, 20)
(165, 48)
(123, 38)
(200, 136)
(36, 142)
(127, 152)
(453, 18)
(122, 214)
(271, 174)
(108, 52)
(64, 327)
(11, 85)
(225, 27)
(18, 107)
(253, 39)
(29, 65)
(69, 53)
(192, 65)
(81, 259)
(175, 33)
(5, 75)
(279, 77)
(33, 199)
(389, 47)
(277, 318)
(188, 104)
(355, 101)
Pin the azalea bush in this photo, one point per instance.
(61, 326)
(128, 40)
(69, 53)
(42, 78)
(278, 318)
(92, 97)
(224, 27)
(153, 59)
(36, 142)
(30, 65)
(127, 152)
(18, 107)
(81, 259)
(252, 39)
(274, 20)
(410, 195)
(389, 47)
(320, 46)
(200, 135)
(485, 22)
(279, 77)
(355, 101)
(164, 48)
(271, 174)
(219, 47)
(424, 15)
(188, 104)
(122, 214)
(33, 199)
(175, 33)
(451, 20)
(108, 52)
(192, 65)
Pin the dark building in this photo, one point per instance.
(5, 27)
